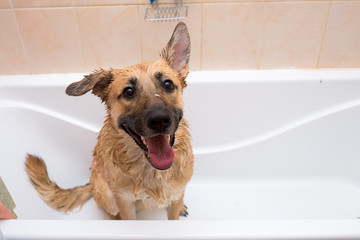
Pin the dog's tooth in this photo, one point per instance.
(143, 140)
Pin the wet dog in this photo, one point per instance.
(143, 158)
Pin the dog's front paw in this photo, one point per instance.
(184, 211)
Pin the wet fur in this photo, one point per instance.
(122, 180)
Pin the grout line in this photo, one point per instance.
(21, 38)
(140, 33)
(42, 7)
(107, 5)
(323, 35)
(201, 34)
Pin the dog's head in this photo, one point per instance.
(145, 100)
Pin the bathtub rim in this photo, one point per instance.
(239, 229)
(226, 76)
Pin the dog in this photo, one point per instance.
(143, 157)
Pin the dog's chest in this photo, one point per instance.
(158, 194)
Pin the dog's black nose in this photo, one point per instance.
(159, 119)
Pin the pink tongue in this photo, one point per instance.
(160, 152)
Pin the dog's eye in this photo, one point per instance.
(169, 85)
(128, 92)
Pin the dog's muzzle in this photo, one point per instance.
(154, 133)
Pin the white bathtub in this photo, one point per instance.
(277, 156)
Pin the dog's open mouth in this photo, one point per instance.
(158, 149)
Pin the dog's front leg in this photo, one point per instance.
(176, 209)
(127, 208)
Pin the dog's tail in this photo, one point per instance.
(64, 200)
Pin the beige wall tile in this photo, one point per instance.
(147, 2)
(40, 3)
(12, 57)
(232, 35)
(51, 39)
(103, 2)
(341, 47)
(293, 33)
(5, 4)
(234, 1)
(302, 0)
(110, 36)
(155, 35)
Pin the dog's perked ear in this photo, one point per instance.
(96, 81)
(177, 51)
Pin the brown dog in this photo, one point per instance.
(143, 158)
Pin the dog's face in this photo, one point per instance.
(145, 100)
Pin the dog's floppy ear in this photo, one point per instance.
(97, 81)
(177, 51)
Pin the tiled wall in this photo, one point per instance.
(58, 36)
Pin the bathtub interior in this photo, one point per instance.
(267, 146)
